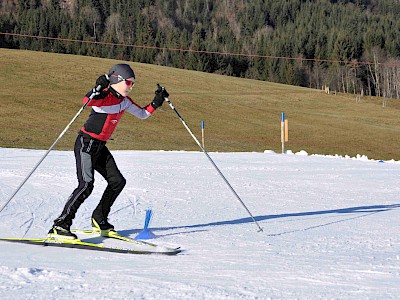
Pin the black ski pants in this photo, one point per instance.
(92, 155)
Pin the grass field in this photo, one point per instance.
(41, 92)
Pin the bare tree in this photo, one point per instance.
(92, 18)
(375, 70)
(114, 27)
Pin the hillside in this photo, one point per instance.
(349, 45)
(42, 92)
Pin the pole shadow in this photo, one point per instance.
(362, 210)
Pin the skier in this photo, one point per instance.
(91, 153)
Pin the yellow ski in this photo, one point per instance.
(78, 244)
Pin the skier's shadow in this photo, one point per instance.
(360, 211)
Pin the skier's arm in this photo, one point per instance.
(145, 112)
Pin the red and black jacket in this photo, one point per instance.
(107, 110)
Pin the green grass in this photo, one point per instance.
(41, 92)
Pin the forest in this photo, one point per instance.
(346, 46)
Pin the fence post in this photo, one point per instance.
(284, 131)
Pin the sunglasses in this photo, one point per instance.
(129, 83)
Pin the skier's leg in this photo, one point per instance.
(85, 174)
(107, 167)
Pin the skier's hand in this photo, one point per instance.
(160, 95)
(102, 83)
(98, 92)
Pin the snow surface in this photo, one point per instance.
(331, 228)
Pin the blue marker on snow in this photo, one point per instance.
(146, 234)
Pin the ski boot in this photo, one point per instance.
(59, 232)
(103, 227)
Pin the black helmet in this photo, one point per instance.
(120, 72)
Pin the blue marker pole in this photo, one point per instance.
(202, 132)
(146, 233)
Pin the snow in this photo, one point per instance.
(331, 227)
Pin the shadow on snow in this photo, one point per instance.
(363, 210)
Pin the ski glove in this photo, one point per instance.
(103, 82)
(161, 94)
(98, 92)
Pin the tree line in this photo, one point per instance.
(350, 46)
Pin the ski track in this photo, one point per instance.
(330, 228)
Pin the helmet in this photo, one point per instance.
(120, 72)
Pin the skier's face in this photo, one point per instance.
(124, 87)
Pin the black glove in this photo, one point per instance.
(161, 94)
(103, 82)
(98, 91)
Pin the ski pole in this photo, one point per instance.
(52, 146)
(212, 162)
